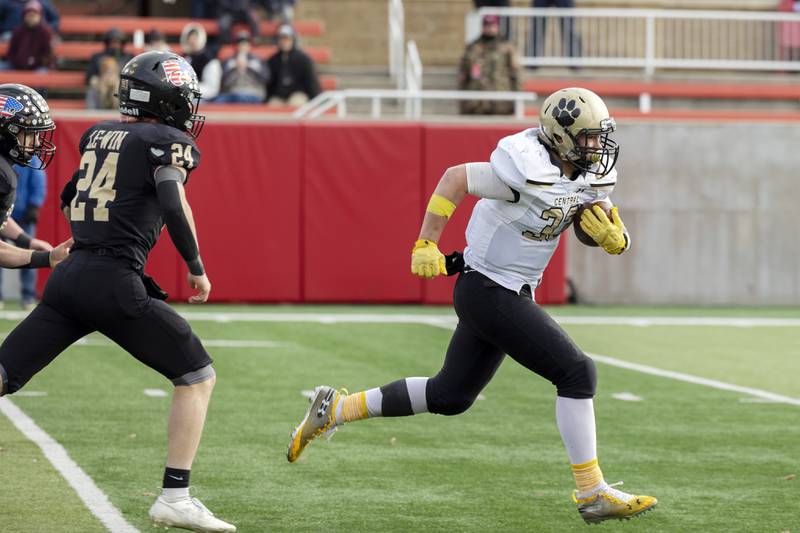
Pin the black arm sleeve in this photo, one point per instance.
(69, 191)
(178, 226)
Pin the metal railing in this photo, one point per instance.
(413, 79)
(651, 39)
(337, 100)
(397, 42)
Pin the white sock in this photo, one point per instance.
(575, 419)
(374, 399)
(416, 393)
(174, 495)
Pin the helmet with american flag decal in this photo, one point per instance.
(164, 86)
(26, 127)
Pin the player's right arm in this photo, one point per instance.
(477, 179)
(426, 259)
(177, 213)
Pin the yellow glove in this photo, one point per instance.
(610, 234)
(426, 259)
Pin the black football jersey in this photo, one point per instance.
(115, 207)
(8, 190)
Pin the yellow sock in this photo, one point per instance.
(587, 475)
(354, 407)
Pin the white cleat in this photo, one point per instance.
(188, 513)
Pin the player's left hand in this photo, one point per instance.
(60, 252)
(40, 245)
(609, 234)
(202, 285)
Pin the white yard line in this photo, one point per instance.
(95, 500)
(688, 378)
(448, 318)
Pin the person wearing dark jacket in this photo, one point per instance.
(102, 75)
(30, 47)
(12, 12)
(294, 79)
(231, 12)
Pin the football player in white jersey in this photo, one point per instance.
(530, 191)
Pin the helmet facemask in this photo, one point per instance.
(196, 119)
(32, 142)
(599, 159)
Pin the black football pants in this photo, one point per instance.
(89, 292)
(494, 321)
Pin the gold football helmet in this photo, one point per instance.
(575, 124)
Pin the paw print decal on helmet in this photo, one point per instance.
(566, 112)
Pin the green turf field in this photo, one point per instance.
(717, 460)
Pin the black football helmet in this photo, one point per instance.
(26, 127)
(161, 85)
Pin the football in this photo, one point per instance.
(576, 220)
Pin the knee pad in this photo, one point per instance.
(198, 376)
(579, 381)
(447, 403)
(445, 396)
(451, 406)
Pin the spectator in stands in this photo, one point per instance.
(279, 9)
(31, 191)
(505, 29)
(104, 73)
(489, 63)
(571, 40)
(31, 44)
(244, 76)
(202, 58)
(232, 11)
(103, 87)
(155, 40)
(204, 9)
(294, 78)
(12, 13)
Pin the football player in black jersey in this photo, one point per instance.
(26, 130)
(130, 183)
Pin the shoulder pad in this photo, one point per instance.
(521, 160)
(170, 146)
(605, 182)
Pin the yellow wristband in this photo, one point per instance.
(439, 205)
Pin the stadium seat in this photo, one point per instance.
(76, 25)
(81, 50)
(51, 80)
(70, 79)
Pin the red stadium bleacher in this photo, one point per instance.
(76, 25)
(81, 50)
(51, 80)
(76, 79)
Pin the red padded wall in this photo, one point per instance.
(245, 196)
(291, 212)
(361, 216)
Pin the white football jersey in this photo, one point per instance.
(512, 242)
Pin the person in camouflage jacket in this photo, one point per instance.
(489, 64)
